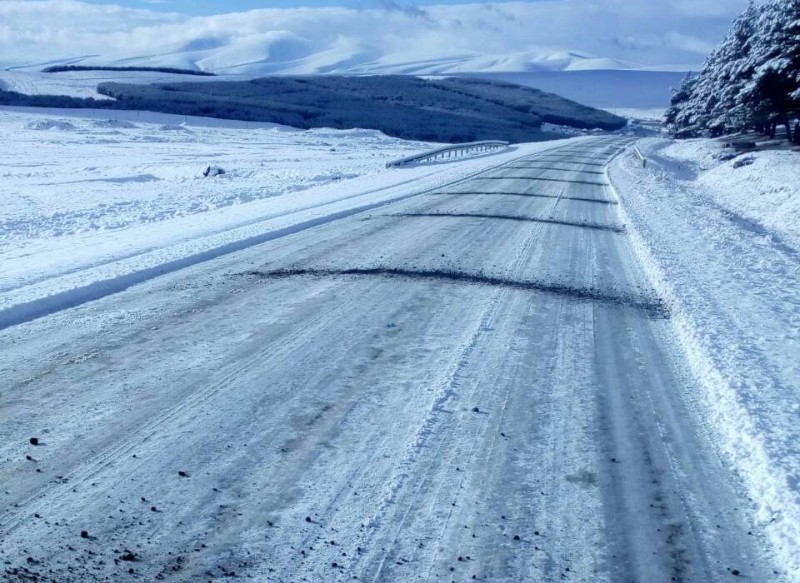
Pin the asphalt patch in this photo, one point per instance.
(529, 194)
(579, 224)
(648, 303)
(541, 179)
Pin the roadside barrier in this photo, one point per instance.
(449, 152)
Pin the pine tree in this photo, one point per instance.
(751, 79)
(771, 94)
(715, 104)
(676, 118)
(733, 69)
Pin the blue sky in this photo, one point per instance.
(209, 7)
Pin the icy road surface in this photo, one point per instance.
(474, 383)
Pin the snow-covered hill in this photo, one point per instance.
(444, 39)
(608, 88)
(532, 40)
(408, 107)
(287, 54)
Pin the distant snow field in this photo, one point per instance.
(84, 83)
(72, 175)
(648, 114)
(82, 183)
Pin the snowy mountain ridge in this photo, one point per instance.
(443, 39)
(287, 54)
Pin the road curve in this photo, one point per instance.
(477, 383)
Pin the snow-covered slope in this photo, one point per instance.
(520, 38)
(387, 37)
(32, 81)
(286, 54)
(608, 88)
(408, 107)
(721, 246)
(441, 40)
(761, 187)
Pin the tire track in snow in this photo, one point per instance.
(122, 448)
(445, 450)
(425, 433)
(447, 383)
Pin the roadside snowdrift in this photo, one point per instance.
(734, 289)
(762, 186)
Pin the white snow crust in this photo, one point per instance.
(721, 245)
(393, 411)
(764, 188)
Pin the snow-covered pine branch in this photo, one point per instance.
(751, 80)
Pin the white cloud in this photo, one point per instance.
(689, 44)
(642, 32)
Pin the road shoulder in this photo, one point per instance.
(733, 293)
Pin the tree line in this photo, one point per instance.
(173, 70)
(750, 81)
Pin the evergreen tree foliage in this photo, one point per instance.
(678, 116)
(752, 79)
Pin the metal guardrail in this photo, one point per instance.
(449, 152)
(638, 154)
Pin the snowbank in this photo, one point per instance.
(699, 154)
(734, 290)
(763, 187)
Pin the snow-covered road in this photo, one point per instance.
(477, 382)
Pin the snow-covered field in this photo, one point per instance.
(721, 243)
(648, 114)
(761, 187)
(76, 173)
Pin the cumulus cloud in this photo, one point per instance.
(689, 44)
(519, 34)
(410, 10)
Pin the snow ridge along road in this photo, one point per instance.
(473, 383)
(736, 319)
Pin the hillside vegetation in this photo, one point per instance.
(172, 70)
(445, 110)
